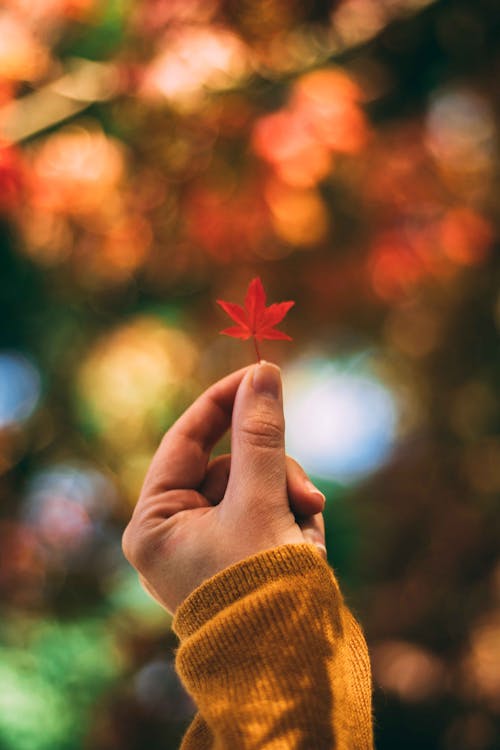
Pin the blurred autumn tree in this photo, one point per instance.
(154, 156)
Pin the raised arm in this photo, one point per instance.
(235, 548)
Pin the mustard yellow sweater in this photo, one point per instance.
(274, 659)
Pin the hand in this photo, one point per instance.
(195, 518)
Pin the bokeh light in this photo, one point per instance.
(461, 129)
(131, 380)
(195, 58)
(65, 503)
(408, 670)
(45, 670)
(482, 664)
(341, 422)
(75, 170)
(19, 388)
(22, 57)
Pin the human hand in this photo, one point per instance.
(195, 518)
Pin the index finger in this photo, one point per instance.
(181, 459)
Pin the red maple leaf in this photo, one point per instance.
(256, 320)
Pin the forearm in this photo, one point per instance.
(273, 658)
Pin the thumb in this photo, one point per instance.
(258, 462)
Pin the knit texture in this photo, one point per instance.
(273, 658)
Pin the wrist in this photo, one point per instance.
(242, 578)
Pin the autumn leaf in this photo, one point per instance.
(255, 320)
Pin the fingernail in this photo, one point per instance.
(314, 491)
(267, 380)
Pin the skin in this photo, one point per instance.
(196, 517)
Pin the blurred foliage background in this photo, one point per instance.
(156, 155)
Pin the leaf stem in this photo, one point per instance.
(257, 352)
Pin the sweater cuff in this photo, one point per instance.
(286, 562)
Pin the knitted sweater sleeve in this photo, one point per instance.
(274, 659)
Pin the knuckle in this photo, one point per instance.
(129, 545)
(136, 548)
(145, 542)
(262, 432)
